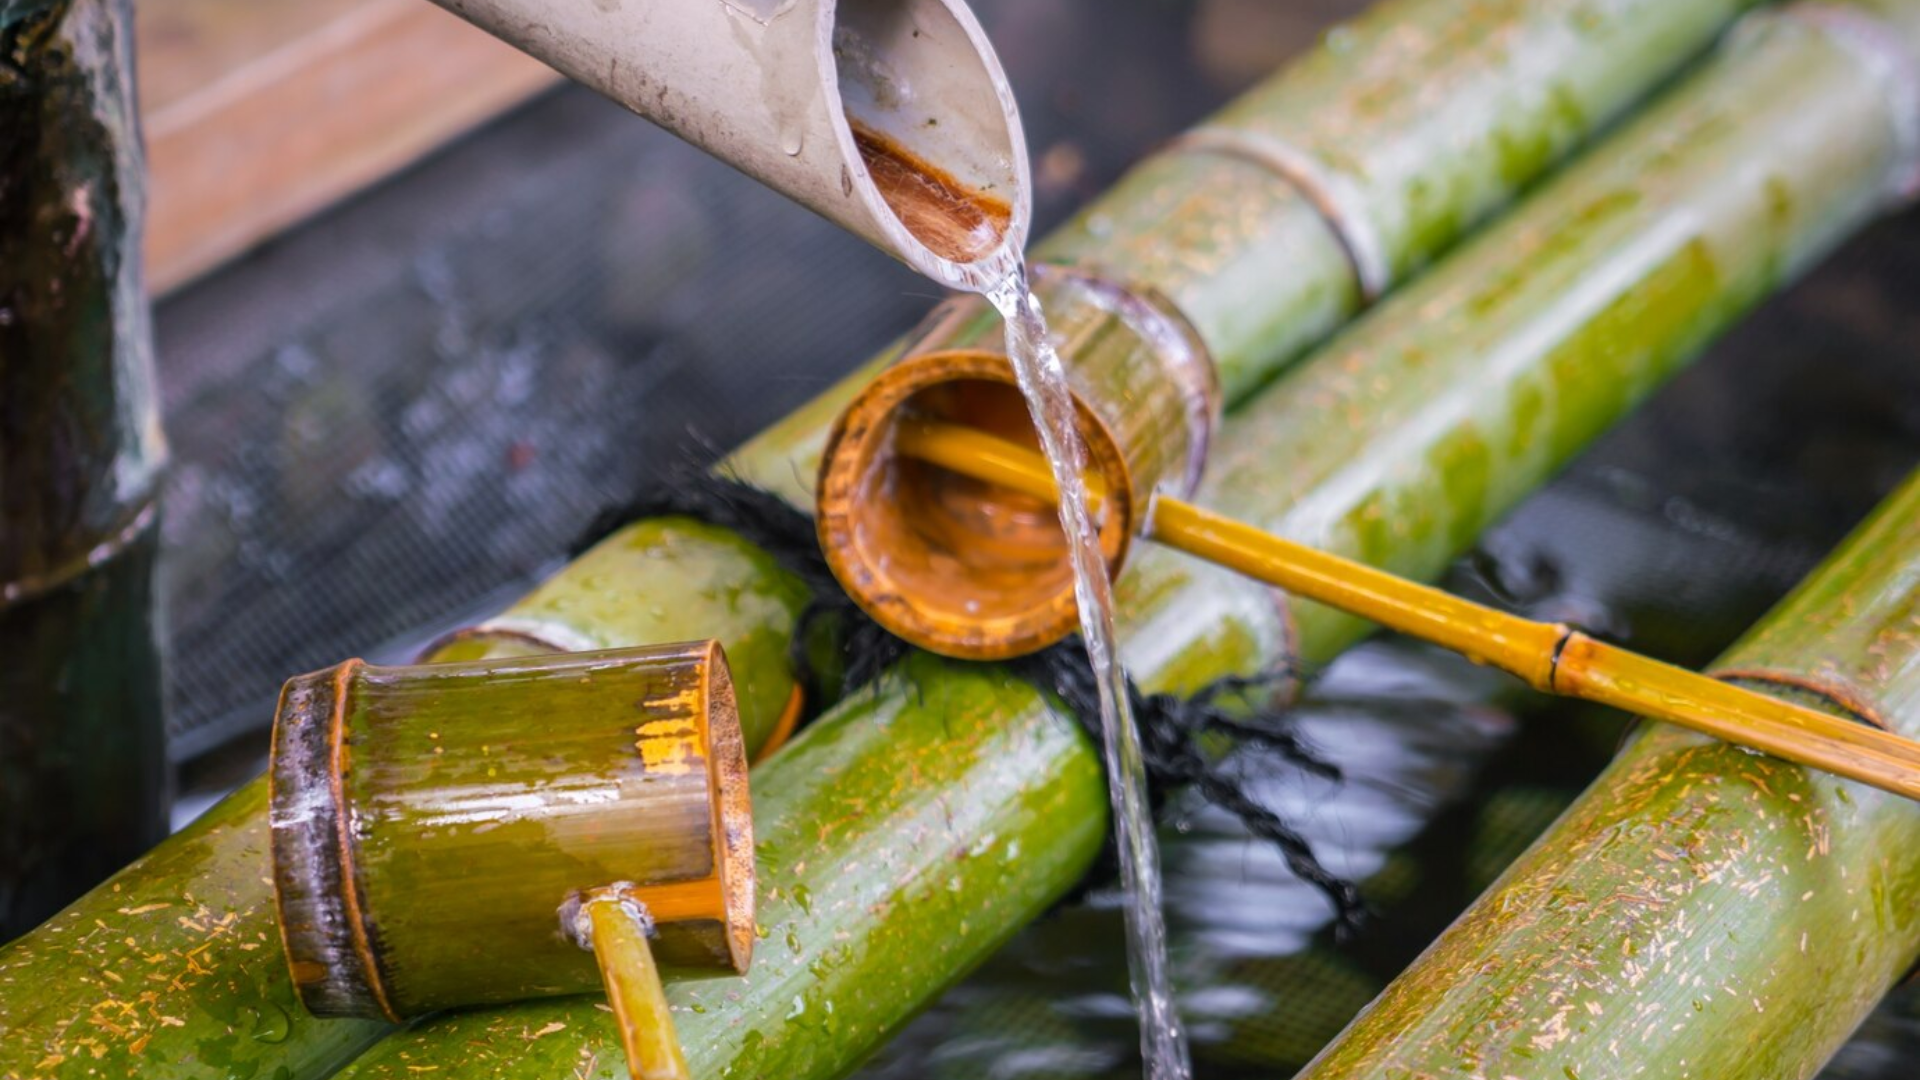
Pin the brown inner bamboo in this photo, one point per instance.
(959, 566)
(957, 223)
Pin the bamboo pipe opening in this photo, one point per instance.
(957, 566)
(929, 114)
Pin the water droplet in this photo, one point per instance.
(269, 1023)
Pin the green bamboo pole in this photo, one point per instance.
(83, 775)
(1398, 445)
(1701, 911)
(201, 894)
(1404, 129)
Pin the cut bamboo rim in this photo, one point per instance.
(979, 571)
(1550, 657)
(965, 569)
(428, 821)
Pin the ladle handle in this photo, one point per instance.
(620, 930)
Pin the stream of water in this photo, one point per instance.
(1043, 379)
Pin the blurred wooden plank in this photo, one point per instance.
(260, 112)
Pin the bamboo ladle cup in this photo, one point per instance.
(1550, 657)
(457, 834)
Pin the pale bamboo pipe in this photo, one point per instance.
(1550, 657)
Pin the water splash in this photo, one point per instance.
(1043, 379)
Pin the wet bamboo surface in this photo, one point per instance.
(1421, 119)
(968, 731)
(1403, 422)
(83, 780)
(1700, 911)
(431, 821)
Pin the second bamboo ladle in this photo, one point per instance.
(1549, 657)
(457, 834)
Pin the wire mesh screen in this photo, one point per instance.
(394, 418)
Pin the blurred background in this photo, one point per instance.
(420, 320)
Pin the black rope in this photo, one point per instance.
(1172, 729)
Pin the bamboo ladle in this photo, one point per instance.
(1549, 657)
(455, 834)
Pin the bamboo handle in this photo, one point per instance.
(1549, 657)
(618, 929)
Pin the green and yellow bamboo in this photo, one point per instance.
(1397, 445)
(973, 755)
(634, 991)
(430, 823)
(83, 773)
(1550, 657)
(176, 964)
(1700, 911)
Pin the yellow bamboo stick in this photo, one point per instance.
(619, 935)
(1550, 657)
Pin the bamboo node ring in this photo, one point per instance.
(1336, 199)
(28, 586)
(1881, 50)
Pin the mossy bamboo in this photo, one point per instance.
(83, 773)
(1700, 912)
(887, 863)
(1400, 133)
(193, 921)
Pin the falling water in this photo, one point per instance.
(1044, 381)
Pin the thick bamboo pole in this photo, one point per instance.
(83, 780)
(1405, 129)
(887, 863)
(1700, 911)
(194, 917)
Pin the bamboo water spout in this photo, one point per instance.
(1210, 267)
(1259, 300)
(890, 118)
(1552, 658)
